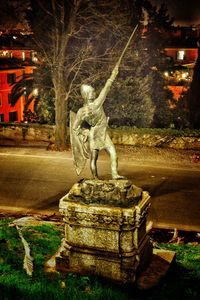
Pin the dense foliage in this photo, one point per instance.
(13, 17)
(140, 96)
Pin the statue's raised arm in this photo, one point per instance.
(102, 96)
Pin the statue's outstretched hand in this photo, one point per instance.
(115, 71)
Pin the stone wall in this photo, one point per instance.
(45, 133)
(27, 132)
(123, 137)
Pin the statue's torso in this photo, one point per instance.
(98, 126)
(94, 117)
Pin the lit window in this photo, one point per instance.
(35, 92)
(34, 56)
(5, 53)
(181, 55)
(23, 55)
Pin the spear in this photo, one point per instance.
(125, 48)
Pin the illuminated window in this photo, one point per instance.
(181, 55)
(23, 56)
(4, 53)
(34, 56)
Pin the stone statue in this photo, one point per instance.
(95, 138)
(88, 140)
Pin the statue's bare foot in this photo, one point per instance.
(119, 177)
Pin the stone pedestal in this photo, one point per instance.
(105, 230)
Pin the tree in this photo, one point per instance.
(24, 87)
(130, 103)
(80, 41)
(72, 36)
(155, 39)
(143, 92)
(45, 108)
(13, 17)
(53, 25)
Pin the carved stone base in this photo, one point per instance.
(105, 230)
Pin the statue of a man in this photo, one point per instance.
(88, 140)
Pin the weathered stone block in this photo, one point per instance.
(105, 229)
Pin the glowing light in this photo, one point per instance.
(166, 74)
(184, 75)
(5, 53)
(35, 59)
(181, 55)
(23, 56)
(35, 92)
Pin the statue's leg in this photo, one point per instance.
(93, 162)
(114, 162)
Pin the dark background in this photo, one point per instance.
(185, 12)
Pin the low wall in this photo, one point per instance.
(46, 133)
(122, 137)
(27, 132)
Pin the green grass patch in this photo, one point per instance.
(182, 281)
(187, 256)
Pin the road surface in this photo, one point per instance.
(33, 180)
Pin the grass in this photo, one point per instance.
(182, 282)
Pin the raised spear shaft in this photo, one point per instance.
(125, 48)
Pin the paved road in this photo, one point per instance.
(33, 179)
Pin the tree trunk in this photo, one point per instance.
(61, 101)
(61, 132)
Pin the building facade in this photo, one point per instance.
(14, 63)
(182, 53)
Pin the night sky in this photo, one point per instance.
(186, 12)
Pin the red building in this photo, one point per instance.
(182, 53)
(14, 63)
(180, 75)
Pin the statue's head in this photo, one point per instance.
(88, 93)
